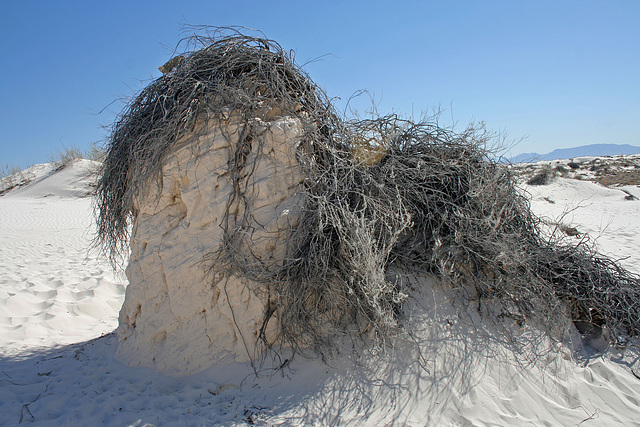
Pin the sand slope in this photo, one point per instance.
(53, 288)
(58, 298)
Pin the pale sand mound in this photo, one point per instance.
(177, 318)
(375, 196)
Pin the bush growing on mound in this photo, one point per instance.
(381, 195)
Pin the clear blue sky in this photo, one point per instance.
(560, 73)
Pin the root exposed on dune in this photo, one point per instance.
(379, 194)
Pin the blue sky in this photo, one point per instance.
(557, 73)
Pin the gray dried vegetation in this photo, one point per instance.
(10, 178)
(543, 177)
(380, 196)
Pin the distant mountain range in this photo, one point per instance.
(584, 150)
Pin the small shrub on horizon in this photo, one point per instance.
(62, 157)
(8, 171)
(544, 177)
(95, 152)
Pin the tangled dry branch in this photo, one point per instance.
(378, 194)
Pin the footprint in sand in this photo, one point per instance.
(80, 295)
(53, 283)
(46, 295)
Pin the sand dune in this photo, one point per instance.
(59, 302)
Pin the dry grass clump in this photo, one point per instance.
(95, 152)
(381, 195)
(10, 178)
(62, 157)
(631, 177)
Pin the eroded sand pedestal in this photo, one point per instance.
(176, 318)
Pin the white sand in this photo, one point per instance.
(53, 289)
(601, 212)
(58, 297)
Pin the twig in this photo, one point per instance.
(591, 417)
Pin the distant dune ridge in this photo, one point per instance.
(580, 151)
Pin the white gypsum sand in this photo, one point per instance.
(608, 215)
(53, 288)
(57, 298)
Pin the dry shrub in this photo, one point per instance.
(62, 157)
(543, 177)
(10, 178)
(233, 75)
(573, 165)
(95, 152)
(620, 178)
(381, 195)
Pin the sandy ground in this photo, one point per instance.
(59, 302)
